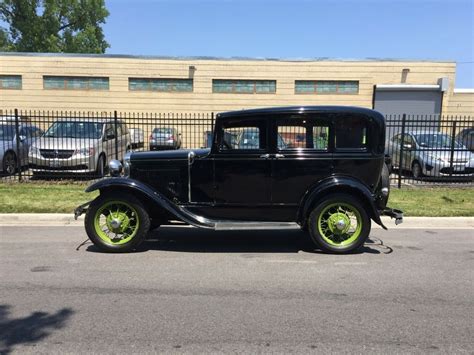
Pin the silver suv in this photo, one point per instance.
(79, 146)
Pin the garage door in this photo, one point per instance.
(411, 102)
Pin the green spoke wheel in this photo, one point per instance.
(339, 224)
(117, 223)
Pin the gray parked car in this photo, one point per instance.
(429, 154)
(79, 146)
(466, 138)
(9, 153)
(165, 138)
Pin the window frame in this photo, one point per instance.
(337, 92)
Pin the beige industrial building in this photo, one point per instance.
(101, 83)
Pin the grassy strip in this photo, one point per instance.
(434, 202)
(42, 197)
(64, 197)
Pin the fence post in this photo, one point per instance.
(116, 134)
(18, 152)
(453, 137)
(400, 162)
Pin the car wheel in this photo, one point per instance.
(100, 171)
(339, 224)
(9, 163)
(417, 170)
(116, 222)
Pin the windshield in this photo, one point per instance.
(7, 132)
(435, 140)
(77, 129)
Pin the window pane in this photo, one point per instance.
(291, 137)
(75, 83)
(241, 138)
(326, 87)
(351, 132)
(10, 82)
(303, 87)
(244, 86)
(320, 137)
(161, 85)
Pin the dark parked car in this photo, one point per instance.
(10, 152)
(165, 138)
(332, 186)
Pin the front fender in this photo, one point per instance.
(143, 190)
(338, 184)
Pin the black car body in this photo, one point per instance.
(336, 157)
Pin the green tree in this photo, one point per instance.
(70, 26)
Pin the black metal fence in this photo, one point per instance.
(425, 150)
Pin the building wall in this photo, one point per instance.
(202, 99)
(461, 104)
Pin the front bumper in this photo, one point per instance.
(75, 164)
(444, 169)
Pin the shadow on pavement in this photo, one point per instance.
(194, 240)
(30, 329)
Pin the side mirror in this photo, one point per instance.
(22, 138)
(110, 136)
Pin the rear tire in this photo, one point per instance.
(9, 163)
(339, 224)
(117, 223)
(417, 170)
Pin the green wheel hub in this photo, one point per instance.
(116, 222)
(340, 224)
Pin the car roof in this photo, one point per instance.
(302, 109)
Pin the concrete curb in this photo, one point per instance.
(67, 219)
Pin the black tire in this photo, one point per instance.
(9, 163)
(340, 241)
(416, 170)
(384, 182)
(100, 170)
(96, 211)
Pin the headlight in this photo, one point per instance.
(126, 164)
(34, 151)
(115, 167)
(85, 151)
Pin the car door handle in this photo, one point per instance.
(278, 156)
(265, 156)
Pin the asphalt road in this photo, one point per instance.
(195, 291)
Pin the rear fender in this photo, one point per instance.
(338, 184)
(150, 196)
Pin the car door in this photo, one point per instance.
(242, 169)
(302, 157)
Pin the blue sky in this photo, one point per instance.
(415, 29)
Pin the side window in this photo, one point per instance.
(109, 130)
(243, 136)
(351, 133)
(302, 133)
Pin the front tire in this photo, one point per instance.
(339, 224)
(117, 222)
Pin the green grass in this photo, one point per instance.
(55, 197)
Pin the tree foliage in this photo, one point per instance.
(70, 26)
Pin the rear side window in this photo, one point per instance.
(351, 133)
(302, 133)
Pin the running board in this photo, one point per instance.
(222, 226)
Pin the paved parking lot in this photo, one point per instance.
(189, 290)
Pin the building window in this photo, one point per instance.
(75, 83)
(244, 86)
(12, 82)
(326, 87)
(160, 85)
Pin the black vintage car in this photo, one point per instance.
(321, 168)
